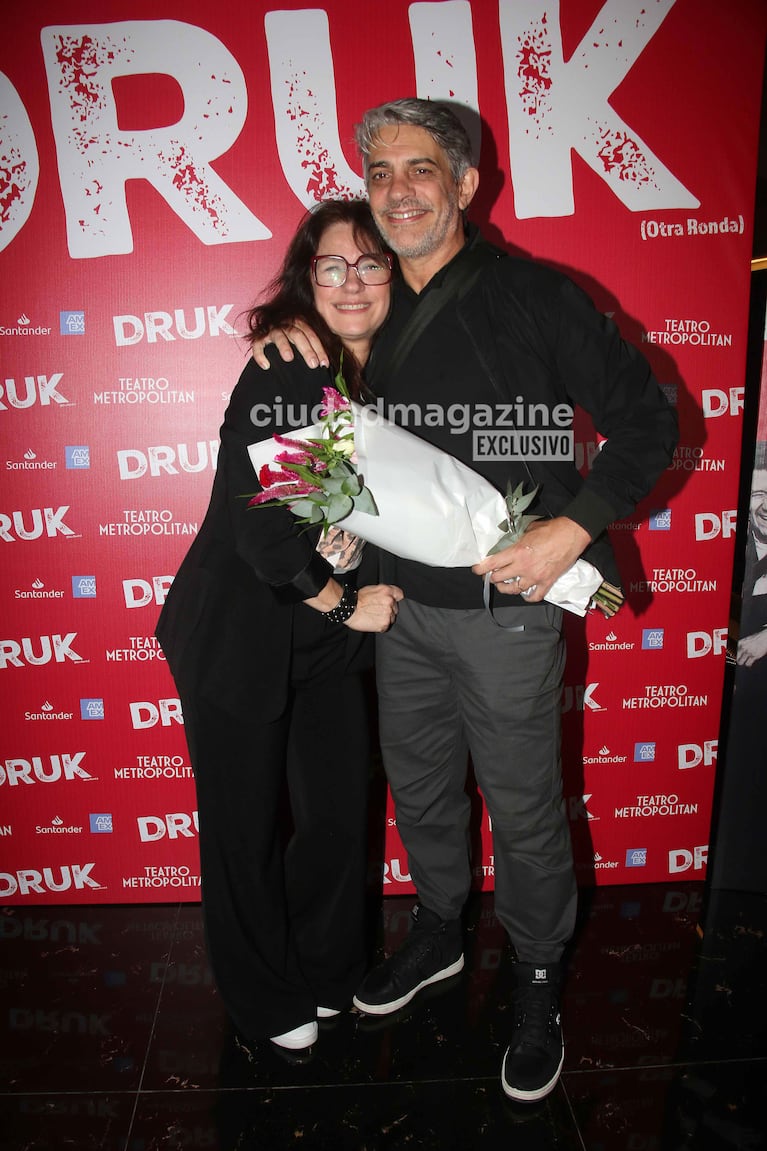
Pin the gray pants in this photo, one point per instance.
(451, 682)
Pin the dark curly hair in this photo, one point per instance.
(290, 295)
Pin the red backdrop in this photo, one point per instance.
(151, 173)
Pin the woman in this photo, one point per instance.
(263, 639)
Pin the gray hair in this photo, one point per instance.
(438, 120)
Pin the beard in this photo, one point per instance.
(430, 240)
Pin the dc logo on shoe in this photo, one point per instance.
(540, 973)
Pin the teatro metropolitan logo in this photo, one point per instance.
(143, 391)
(145, 522)
(156, 768)
(663, 580)
(169, 876)
(655, 807)
(676, 332)
(138, 649)
(692, 458)
(665, 696)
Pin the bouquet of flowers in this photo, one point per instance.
(428, 506)
(322, 484)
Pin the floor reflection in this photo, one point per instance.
(114, 1038)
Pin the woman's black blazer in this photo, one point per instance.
(226, 624)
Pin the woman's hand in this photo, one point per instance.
(377, 606)
(306, 341)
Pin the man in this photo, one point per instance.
(472, 327)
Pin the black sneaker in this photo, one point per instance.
(432, 951)
(533, 1060)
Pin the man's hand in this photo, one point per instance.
(376, 609)
(752, 648)
(532, 565)
(304, 338)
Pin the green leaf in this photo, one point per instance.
(338, 507)
(339, 469)
(364, 502)
(516, 501)
(351, 486)
(303, 471)
(524, 524)
(304, 508)
(333, 485)
(340, 382)
(506, 540)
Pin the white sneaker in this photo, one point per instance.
(298, 1038)
(327, 1012)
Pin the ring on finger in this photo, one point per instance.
(513, 579)
(529, 590)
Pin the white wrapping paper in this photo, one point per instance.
(431, 507)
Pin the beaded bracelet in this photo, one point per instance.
(345, 607)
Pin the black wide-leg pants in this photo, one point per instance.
(282, 813)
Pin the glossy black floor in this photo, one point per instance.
(113, 1038)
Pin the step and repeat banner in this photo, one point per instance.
(154, 163)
